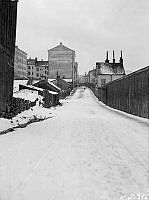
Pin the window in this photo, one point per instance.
(29, 73)
(37, 69)
(29, 67)
(37, 75)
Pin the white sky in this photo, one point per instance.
(90, 27)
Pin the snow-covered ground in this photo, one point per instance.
(16, 84)
(87, 151)
(38, 111)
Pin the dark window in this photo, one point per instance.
(29, 73)
(29, 67)
(37, 69)
(37, 75)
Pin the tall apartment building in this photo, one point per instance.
(37, 69)
(8, 15)
(20, 64)
(61, 61)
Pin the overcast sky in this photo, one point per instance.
(90, 27)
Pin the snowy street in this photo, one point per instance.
(86, 151)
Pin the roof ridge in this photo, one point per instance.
(60, 45)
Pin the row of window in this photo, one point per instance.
(37, 69)
(37, 74)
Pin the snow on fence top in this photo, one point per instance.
(38, 89)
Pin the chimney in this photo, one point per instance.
(121, 58)
(113, 57)
(107, 59)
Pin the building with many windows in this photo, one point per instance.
(20, 64)
(8, 15)
(37, 69)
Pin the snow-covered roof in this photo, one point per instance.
(16, 84)
(108, 68)
(54, 85)
(27, 95)
(39, 89)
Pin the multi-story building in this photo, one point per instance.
(37, 69)
(8, 15)
(75, 74)
(92, 76)
(62, 62)
(106, 71)
(84, 79)
(20, 64)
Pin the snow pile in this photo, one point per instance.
(27, 95)
(34, 113)
(5, 124)
(16, 84)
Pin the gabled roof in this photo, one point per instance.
(44, 84)
(60, 47)
(63, 82)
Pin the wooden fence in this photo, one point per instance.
(130, 93)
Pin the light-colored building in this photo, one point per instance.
(75, 74)
(37, 69)
(62, 63)
(20, 64)
(92, 76)
(84, 79)
(107, 72)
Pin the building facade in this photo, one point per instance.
(62, 63)
(92, 77)
(108, 71)
(20, 64)
(8, 16)
(75, 74)
(37, 69)
(84, 79)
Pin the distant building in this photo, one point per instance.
(106, 71)
(62, 62)
(75, 74)
(20, 64)
(84, 79)
(92, 76)
(37, 69)
(8, 15)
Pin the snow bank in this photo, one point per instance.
(36, 112)
(5, 124)
(16, 84)
(27, 95)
